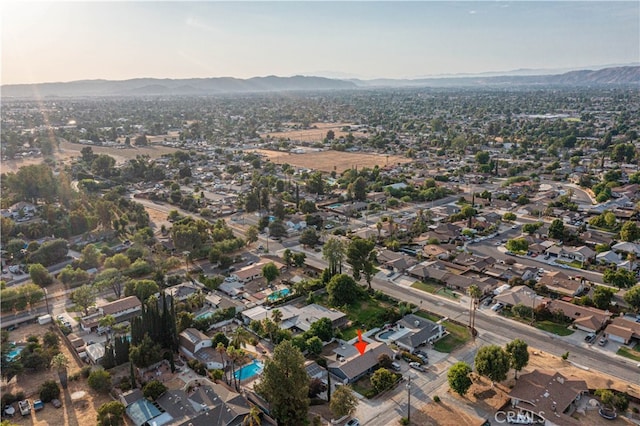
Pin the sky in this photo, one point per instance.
(54, 41)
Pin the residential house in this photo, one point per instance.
(474, 262)
(593, 238)
(350, 365)
(121, 310)
(297, 319)
(608, 257)
(582, 254)
(548, 396)
(394, 261)
(559, 282)
(521, 295)
(194, 344)
(435, 251)
(414, 331)
(181, 292)
(627, 248)
(584, 318)
(253, 272)
(623, 329)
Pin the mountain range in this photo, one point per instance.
(614, 76)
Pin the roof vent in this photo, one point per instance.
(416, 323)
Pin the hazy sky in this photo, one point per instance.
(65, 41)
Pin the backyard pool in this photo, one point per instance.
(386, 334)
(141, 411)
(204, 315)
(248, 371)
(335, 206)
(278, 294)
(14, 353)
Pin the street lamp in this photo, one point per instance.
(409, 401)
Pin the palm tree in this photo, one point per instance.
(475, 293)
(60, 362)
(276, 316)
(221, 350)
(270, 327)
(253, 418)
(107, 322)
(240, 337)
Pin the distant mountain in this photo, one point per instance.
(628, 75)
(189, 86)
(621, 76)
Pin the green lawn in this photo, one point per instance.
(447, 293)
(350, 332)
(458, 336)
(552, 327)
(428, 287)
(428, 315)
(629, 353)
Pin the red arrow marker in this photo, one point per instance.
(360, 345)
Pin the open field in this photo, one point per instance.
(315, 134)
(77, 411)
(328, 161)
(68, 151)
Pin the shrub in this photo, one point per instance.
(85, 371)
(409, 357)
(49, 390)
(436, 398)
(565, 356)
(404, 421)
(100, 380)
(7, 398)
(125, 384)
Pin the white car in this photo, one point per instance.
(417, 366)
(352, 422)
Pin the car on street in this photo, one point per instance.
(589, 338)
(352, 422)
(417, 366)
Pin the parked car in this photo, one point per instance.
(417, 366)
(589, 338)
(423, 353)
(24, 406)
(352, 422)
(38, 405)
(603, 341)
(56, 403)
(395, 366)
(497, 307)
(423, 358)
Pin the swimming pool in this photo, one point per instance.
(335, 206)
(248, 371)
(204, 315)
(279, 294)
(14, 353)
(142, 411)
(386, 334)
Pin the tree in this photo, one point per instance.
(602, 296)
(360, 256)
(111, 414)
(517, 245)
(630, 231)
(556, 229)
(343, 402)
(91, 257)
(60, 362)
(285, 385)
(100, 380)
(299, 259)
(85, 297)
(360, 189)
(323, 328)
(142, 289)
(49, 390)
(253, 418)
(482, 157)
(458, 376)
(381, 380)
(277, 229)
(333, 252)
(309, 237)
(314, 345)
(518, 351)
(632, 297)
(606, 397)
(509, 216)
(342, 290)
(474, 293)
(39, 275)
(270, 272)
(118, 261)
(153, 389)
(620, 278)
(492, 362)
(251, 235)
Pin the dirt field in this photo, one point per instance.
(74, 412)
(69, 150)
(456, 410)
(316, 134)
(328, 161)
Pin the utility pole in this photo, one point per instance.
(409, 401)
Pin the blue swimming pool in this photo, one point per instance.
(279, 294)
(14, 353)
(204, 315)
(386, 334)
(248, 371)
(335, 206)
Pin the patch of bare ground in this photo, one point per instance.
(67, 151)
(316, 133)
(328, 161)
(80, 410)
